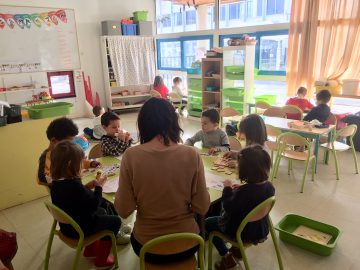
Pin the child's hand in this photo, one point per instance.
(227, 183)
(227, 154)
(235, 186)
(127, 137)
(102, 180)
(92, 184)
(212, 151)
(95, 164)
(232, 163)
(121, 135)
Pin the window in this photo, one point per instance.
(238, 13)
(273, 52)
(176, 17)
(180, 53)
(61, 84)
(170, 54)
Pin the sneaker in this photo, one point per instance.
(126, 229)
(122, 238)
(226, 262)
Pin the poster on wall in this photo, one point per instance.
(37, 39)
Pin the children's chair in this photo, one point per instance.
(288, 142)
(161, 246)
(95, 151)
(154, 93)
(234, 143)
(259, 212)
(335, 146)
(293, 112)
(78, 244)
(332, 120)
(273, 133)
(262, 106)
(229, 112)
(176, 100)
(275, 112)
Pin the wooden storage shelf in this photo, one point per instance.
(129, 96)
(209, 98)
(212, 92)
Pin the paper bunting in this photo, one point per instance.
(23, 21)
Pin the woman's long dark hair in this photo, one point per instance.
(158, 117)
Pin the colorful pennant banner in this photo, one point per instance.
(25, 21)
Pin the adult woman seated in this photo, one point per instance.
(163, 180)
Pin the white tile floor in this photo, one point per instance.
(326, 200)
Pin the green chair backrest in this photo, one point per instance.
(294, 111)
(170, 238)
(293, 139)
(60, 216)
(234, 143)
(257, 213)
(348, 131)
(273, 131)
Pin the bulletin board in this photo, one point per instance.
(37, 39)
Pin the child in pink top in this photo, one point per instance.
(161, 87)
(300, 100)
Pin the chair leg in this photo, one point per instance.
(304, 177)
(243, 255)
(210, 248)
(48, 249)
(355, 160)
(336, 164)
(276, 244)
(289, 166)
(276, 166)
(77, 255)
(114, 250)
(313, 170)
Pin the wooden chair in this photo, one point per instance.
(287, 141)
(235, 144)
(332, 120)
(293, 112)
(165, 245)
(275, 112)
(95, 151)
(154, 93)
(262, 105)
(78, 244)
(272, 144)
(229, 112)
(259, 212)
(335, 146)
(176, 100)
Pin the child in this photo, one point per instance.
(300, 100)
(80, 202)
(161, 87)
(59, 129)
(252, 129)
(97, 132)
(322, 111)
(210, 134)
(116, 141)
(254, 166)
(177, 88)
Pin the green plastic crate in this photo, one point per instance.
(194, 99)
(195, 93)
(195, 106)
(291, 222)
(140, 16)
(195, 113)
(234, 72)
(270, 99)
(49, 110)
(233, 92)
(194, 83)
(235, 99)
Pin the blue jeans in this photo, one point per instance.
(212, 224)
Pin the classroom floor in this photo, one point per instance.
(326, 200)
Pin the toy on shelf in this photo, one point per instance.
(82, 142)
(245, 40)
(41, 98)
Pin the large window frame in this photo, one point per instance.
(258, 35)
(182, 50)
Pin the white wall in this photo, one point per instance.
(89, 14)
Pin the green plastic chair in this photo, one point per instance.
(335, 146)
(287, 141)
(273, 133)
(161, 240)
(262, 105)
(78, 244)
(259, 212)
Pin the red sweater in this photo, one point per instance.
(163, 90)
(302, 103)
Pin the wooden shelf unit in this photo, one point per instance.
(211, 99)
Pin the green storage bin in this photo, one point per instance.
(140, 16)
(236, 99)
(291, 222)
(195, 84)
(195, 113)
(194, 99)
(270, 99)
(237, 105)
(195, 93)
(233, 92)
(234, 72)
(195, 106)
(49, 110)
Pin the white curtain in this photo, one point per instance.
(133, 59)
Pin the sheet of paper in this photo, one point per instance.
(111, 186)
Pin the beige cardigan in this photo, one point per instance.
(166, 187)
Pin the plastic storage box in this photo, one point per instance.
(291, 222)
(140, 16)
(13, 113)
(193, 70)
(195, 83)
(128, 29)
(195, 93)
(269, 99)
(49, 110)
(111, 28)
(3, 120)
(234, 72)
(233, 92)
